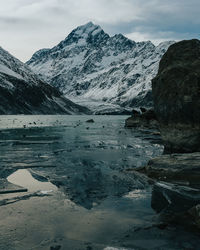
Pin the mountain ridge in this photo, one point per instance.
(90, 66)
(23, 92)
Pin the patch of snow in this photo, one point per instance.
(7, 71)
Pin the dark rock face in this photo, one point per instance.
(146, 120)
(176, 94)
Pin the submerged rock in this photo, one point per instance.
(176, 91)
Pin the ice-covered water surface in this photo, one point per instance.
(86, 159)
(99, 203)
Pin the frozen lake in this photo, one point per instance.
(81, 190)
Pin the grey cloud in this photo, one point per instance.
(42, 23)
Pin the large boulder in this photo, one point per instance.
(176, 94)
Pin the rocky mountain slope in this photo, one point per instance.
(100, 71)
(22, 92)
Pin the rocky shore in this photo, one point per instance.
(176, 193)
(176, 173)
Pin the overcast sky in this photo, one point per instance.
(29, 25)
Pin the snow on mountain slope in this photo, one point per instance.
(22, 92)
(91, 67)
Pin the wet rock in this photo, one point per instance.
(146, 120)
(174, 198)
(90, 121)
(177, 205)
(176, 90)
(176, 168)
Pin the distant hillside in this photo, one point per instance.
(22, 92)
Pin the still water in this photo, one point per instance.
(87, 160)
(81, 190)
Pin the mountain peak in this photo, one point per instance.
(86, 29)
(91, 66)
(88, 25)
(88, 33)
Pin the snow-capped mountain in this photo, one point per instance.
(100, 71)
(22, 92)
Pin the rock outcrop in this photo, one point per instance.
(176, 94)
(146, 119)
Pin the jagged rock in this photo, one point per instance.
(146, 120)
(23, 92)
(97, 70)
(176, 91)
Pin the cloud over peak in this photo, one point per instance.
(28, 25)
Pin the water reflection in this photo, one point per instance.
(87, 164)
(23, 177)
